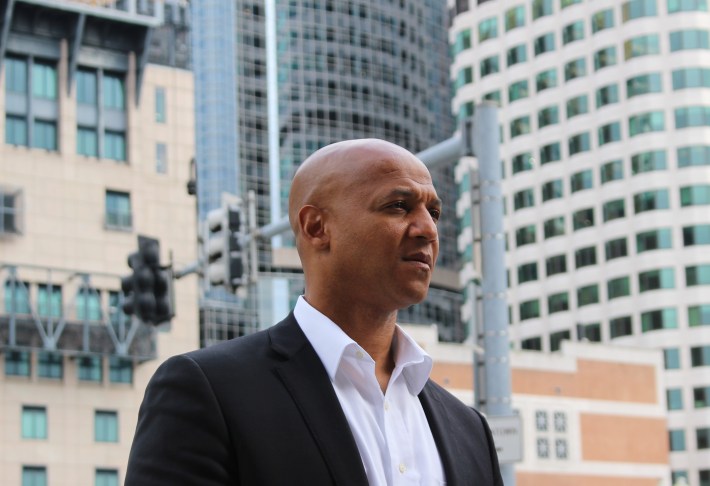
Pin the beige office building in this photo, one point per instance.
(96, 149)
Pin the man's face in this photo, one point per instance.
(384, 240)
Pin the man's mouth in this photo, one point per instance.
(419, 257)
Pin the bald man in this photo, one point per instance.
(336, 393)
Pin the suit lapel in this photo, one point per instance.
(444, 437)
(306, 380)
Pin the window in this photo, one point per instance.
(634, 9)
(89, 368)
(613, 209)
(465, 111)
(644, 84)
(573, 32)
(604, 19)
(590, 332)
(702, 437)
(118, 210)
(695, 195)
(160, 104)
(525, 235)
(161, 162)
(577, 106)
(620, 326)
(604, 58)
(616, 248)
(106, 477)
(514, 17)
(648, 161)
(517, 54)
(687, 6)
(492, 96)
(88, 305)
(607, 95)
(691, 78)
(677, 474)
(518, 90)
(544, 43)
(546, 79)
(489, 65)
(701, 397)
(618, 287)
(541, 420)
(653, 240)
(676, 439)
(658, 319)
(15, 75)
(700, 356)
(541, 8)
(34, 476)
(488, 29)
(113, 91)
(693, 155)
(50, 365)
(692, 116)
(612, 171)
(671, 359)
(462, 42)
(34, 422)
(523, 199)
(44, 80)
(551, 153)
(105, 426)
(543, 448)
(120, 370)
(567, 3)
(114, 145)
(552, 190)
(522, 162)
(556, 264)
(579, 143)
(699, 315)
(587, 295)
(87, 142)
(581, 180)
(17, 363)
(583, 218)
(585, 257)
(663, 278)
(49, 300)
(530, 309)
(696, 235)
(86, 86)
(44, 134)
(556, 339)
(609, 133)
(575, 69)
(645, 123)
(464, 77)
(643, 45)
(704, 477)
(554, 227)
(531, 344)
(689, 39)
(697, 275)
(15, 130)
(527, 272)
(520, 126)
(651, 200)
(548, 116)
(10, 213)
(558, 302)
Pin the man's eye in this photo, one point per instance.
(435, 214)
(399, 205)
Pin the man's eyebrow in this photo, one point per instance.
(408, 194)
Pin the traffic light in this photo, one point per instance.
(225, 255)
(148, 290)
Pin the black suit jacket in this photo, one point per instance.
(261, 410)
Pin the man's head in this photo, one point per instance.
(364, 213)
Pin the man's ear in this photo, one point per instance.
(313, 230)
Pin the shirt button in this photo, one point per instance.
(387, 406)
(359, 354)
(402, 468)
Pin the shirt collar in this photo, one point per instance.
(330, 342)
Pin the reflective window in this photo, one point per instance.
(523, 199)
(464, 77)
(646, 122)
(585, 257)
(575, 69)
(89, 368)
(106, 477)
(692, 116)
(693, 155)
(607, 95)
(49, 300)
(527, 272)
(490, 65)
(50, 365)
(44, 80)
(552, 190)
(34, 422)
(105, 426)
(659, 319)
(462, 42)
(671, 359)
(118, 210)
(87, 141)
(579, 143)
(34, 476)
(529, 309)
(556, 339)
(702, 438)
(525, 235)
(522, 162)
(544, 43)
(113, 91)
(644, 45)
(691, 78)
(612, 171)
(546, 79)
(646, 83)
(567, 3)
(613, 209)
(696, 235)
(160, 108)
(676, 439)
(15, 75)
(659, 239)
(604, 19)
(651, 200)
(662, 278)
(518, 90)
(17, 363)
(609, 133)
(520, 126)
(514, 17)
(701, 397)
(689, 39)
(616, 248)
(548, 116)
(634, 9)
(573, 32)
(15, 130)
(581, 180)
(687, 6)
(698, 195)
(44, 134)
(582, 218)
(578, 105)
(618, 287)
(648, 161)
(557, 302)
(550, 153)
(604, 58)
(556, 264)
(517, 54)
(114, 145)
(541, 8)
(86, 86)
(620, 326)
(531, 344)
(587, 295)
(488, 29)
(697, 275)
(554, 227)
(700, 356)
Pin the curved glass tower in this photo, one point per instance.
(605, 128)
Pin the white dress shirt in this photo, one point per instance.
(390, 429)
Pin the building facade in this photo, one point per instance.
(306, 74)
(590, 415)
(96, 148)
(604, 128)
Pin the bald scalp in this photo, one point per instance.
(331, 170)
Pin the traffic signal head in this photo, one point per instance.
(223, 245)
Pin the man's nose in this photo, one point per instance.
(423, 225)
